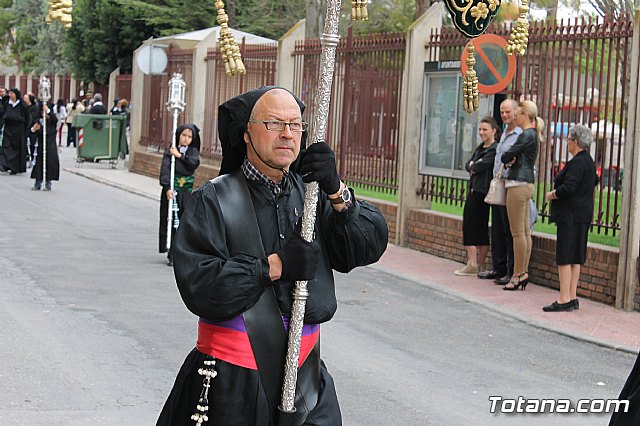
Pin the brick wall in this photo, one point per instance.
(441, 235)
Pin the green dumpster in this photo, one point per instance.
(100, 137)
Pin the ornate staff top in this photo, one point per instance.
(44, 88)
(177, 93)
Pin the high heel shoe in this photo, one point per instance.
(521, 283)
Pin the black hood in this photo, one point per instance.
(233, 116)
(195, 142)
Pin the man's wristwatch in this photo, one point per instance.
(344, 197)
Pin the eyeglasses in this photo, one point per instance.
(278, 126)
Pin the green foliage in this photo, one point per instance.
(269, 19)
(384, 16)
(33, 44)
(6, 24)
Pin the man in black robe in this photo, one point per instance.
(237, 257)
(13, 153)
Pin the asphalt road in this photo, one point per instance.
(93, 331)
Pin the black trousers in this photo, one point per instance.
(501, 241)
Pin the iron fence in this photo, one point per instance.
(260, 63)
(577, 73)
(364, 113)
(157, 122)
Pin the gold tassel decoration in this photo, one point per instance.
(470, 97)
(359, 10)
(228, 46)
(519, 37)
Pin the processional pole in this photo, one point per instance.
(44, 93)
(175, 104)
(329, 41)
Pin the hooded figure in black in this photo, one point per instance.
(237, 255)
(13, 154)
(53, 161)
(187, 155)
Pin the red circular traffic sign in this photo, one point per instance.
(494, 68)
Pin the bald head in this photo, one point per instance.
(272, 101)
(507, 113)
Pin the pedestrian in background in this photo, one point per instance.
(45, 111)
(74, 108)
(13, 154)
(61, 115)
(519, 177)
(97, 107)
(572, 211)
(475, 217)
(187, 160)
(501, 240)
(32, 108)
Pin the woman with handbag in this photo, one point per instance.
(475, 217)
(519, 177)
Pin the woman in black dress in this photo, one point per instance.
(475, 218)
(13, 154)
(572, 211)
(187, 155)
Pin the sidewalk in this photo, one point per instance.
(594, 322)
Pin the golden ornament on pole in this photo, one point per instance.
(470, 94)
(228, 46)
(60, 10)
(359, 10)
(519, 37)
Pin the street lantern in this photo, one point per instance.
(44, 88)
(177, 93)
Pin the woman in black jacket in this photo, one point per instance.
(572, 211)
(187, 155)
(519, 177)
(475, 218)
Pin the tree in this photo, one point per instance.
(34, 46)
(106, 32)
(614, 7)
(268, 18)
(7, 40)
(388, 16)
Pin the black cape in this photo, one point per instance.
(53, 161)
(13, 153)
(630, 391)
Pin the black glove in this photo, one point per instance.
(318, 163)
(299, 259)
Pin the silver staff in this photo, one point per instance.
(44, 93)
(329, 41)
(175, 104)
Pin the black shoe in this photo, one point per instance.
(3, 168)
(559, 307)
(13, 173)
(47, 186)
(576, 304)
(517, 285)
(502, 280)
(488, 275)
(36, 188)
